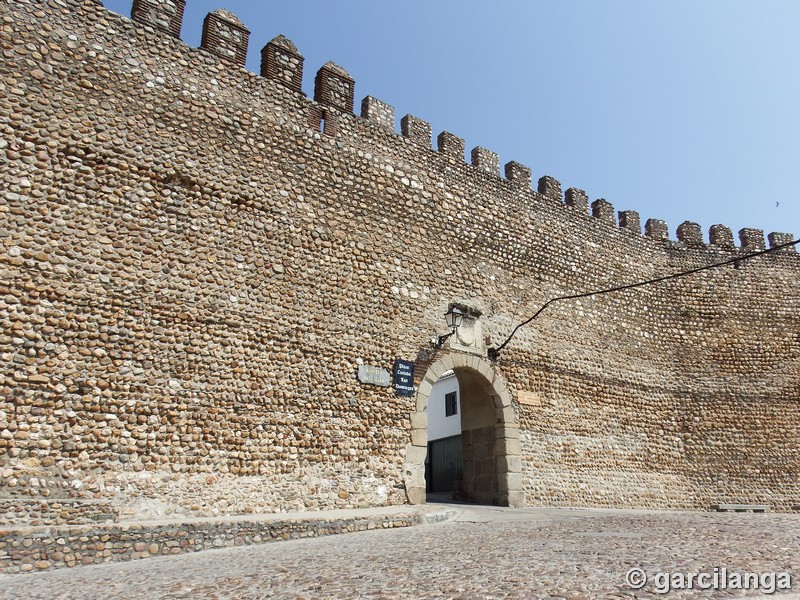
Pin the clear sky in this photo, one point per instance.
(680, 109)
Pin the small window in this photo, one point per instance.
(326, 123)
(450, 404)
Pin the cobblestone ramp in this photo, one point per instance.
(483, 553)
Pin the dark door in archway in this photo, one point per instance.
(443, 467)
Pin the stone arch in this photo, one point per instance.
(490, 423)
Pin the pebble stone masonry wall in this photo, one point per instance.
(194, 261)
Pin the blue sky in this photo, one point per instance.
(682, 110)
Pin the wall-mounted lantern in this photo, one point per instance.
(453, 317)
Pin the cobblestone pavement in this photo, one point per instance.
(484, 553)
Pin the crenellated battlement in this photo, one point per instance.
(282, 62)
(227, 37)
(163, 15)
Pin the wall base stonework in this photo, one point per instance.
(43, 548)
(21, 511)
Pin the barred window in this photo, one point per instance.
(450, 404)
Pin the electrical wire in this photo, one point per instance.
(494, 352)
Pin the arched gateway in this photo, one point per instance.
(489, 433)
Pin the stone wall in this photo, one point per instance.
(194, 260)
(25, 550)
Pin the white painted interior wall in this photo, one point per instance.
(440, 426)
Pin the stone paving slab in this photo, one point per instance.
(484, 553)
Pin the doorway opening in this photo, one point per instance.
(488, 440)
(444, 465)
